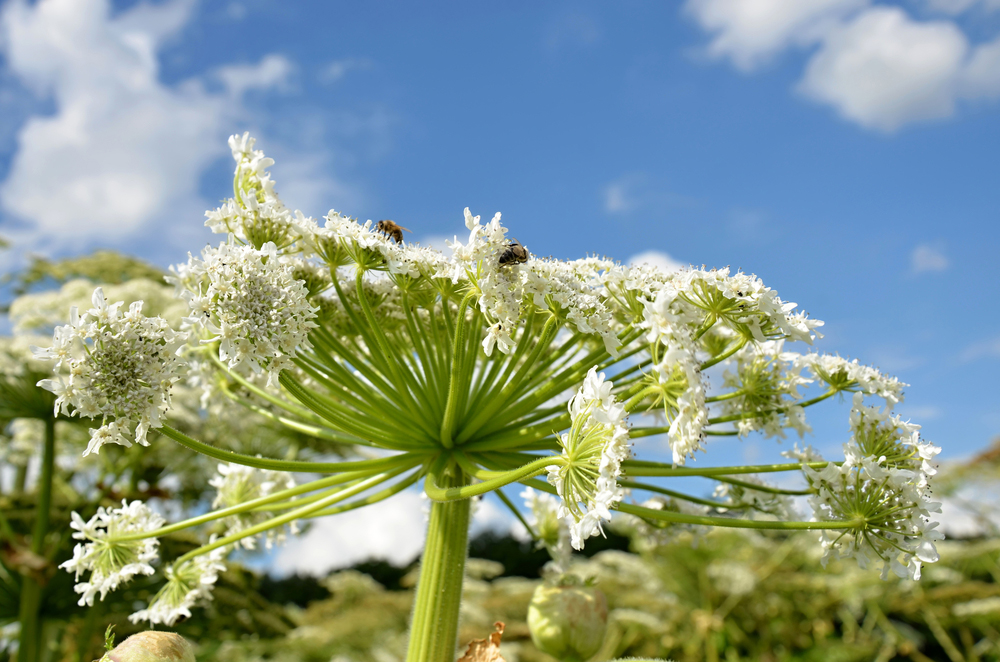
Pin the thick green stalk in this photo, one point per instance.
(434, 628)
(30, 643)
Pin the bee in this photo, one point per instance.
(390, 229)
(514, 254)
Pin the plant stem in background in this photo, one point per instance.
(30, 644)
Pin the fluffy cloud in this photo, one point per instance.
(928, 258)
(656, 259)
(122, 151)
(884, 69)
(273, 71)
(750, 32)
(875, 64)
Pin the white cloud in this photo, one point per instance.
(875, 65)
(337, 69)
(122, 155)
(637, 191)
(272, 72)
(928, 258)
(750, 32)
(961, 6)
(657, 259)
(989, 348)
(884, 69)
(619, 198)
(572, 30)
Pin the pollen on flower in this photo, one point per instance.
(118, 366)
(111, 561)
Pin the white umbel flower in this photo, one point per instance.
(237, 484)
(593, 450)
(550, 525)
(251, 303)
(120, 366)
(892, 514)
(187, 584)
(851, 375)
(112, 562)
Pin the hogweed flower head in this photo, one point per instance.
(188, 583)
(592, 455)
(550, 525)
(110, 560)
(120, 366)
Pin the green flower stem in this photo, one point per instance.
(726, 396)
(631, 484)
(643, 468)
(725, 355)
(322, 406)
(418, 338)
(298, 513)
(311, 430)
(494, 406)
(434, 628)
(458, 378)
(371, 498)
(733, 523)
(494, 480)
(30, 638)
(333, 347)
(381, 410)
(379, 361)
(491, 386)
(405, 385)
(517, 437)
(776, 410)
(287, 465)
(722, 433)
(261, 393)
(763, 488)
(255, 504)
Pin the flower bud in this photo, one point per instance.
(568, 621)
(152, 646)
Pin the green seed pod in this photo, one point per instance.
(568, 621)
(152, 646)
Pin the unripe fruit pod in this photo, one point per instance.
(152, 646)
(568, 621)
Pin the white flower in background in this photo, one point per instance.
(743, 495)
(112, 562)
(842, 374)
(251, 303)
(551, 527)
(187, 584)
(891, 515)
(592, 453)
(120, 366)
(236, 484)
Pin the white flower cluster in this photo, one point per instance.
(650, 534)
(883, 438)
(110, 561)
(683, 393)
(187, 584)
(251, 303)
(552, 527)
(120, 366)
(256, 216)
(754, 501)
(236, 484)
(888, 501)
(592, 453)
(768, 379)
(843, 374)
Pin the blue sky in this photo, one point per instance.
(843, 150)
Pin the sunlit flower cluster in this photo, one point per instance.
(250, 303)
(549, 525)
(111, 561)
(841, 374)
(120, 366)
(593, 451)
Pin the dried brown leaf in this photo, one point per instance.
(485, 650)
